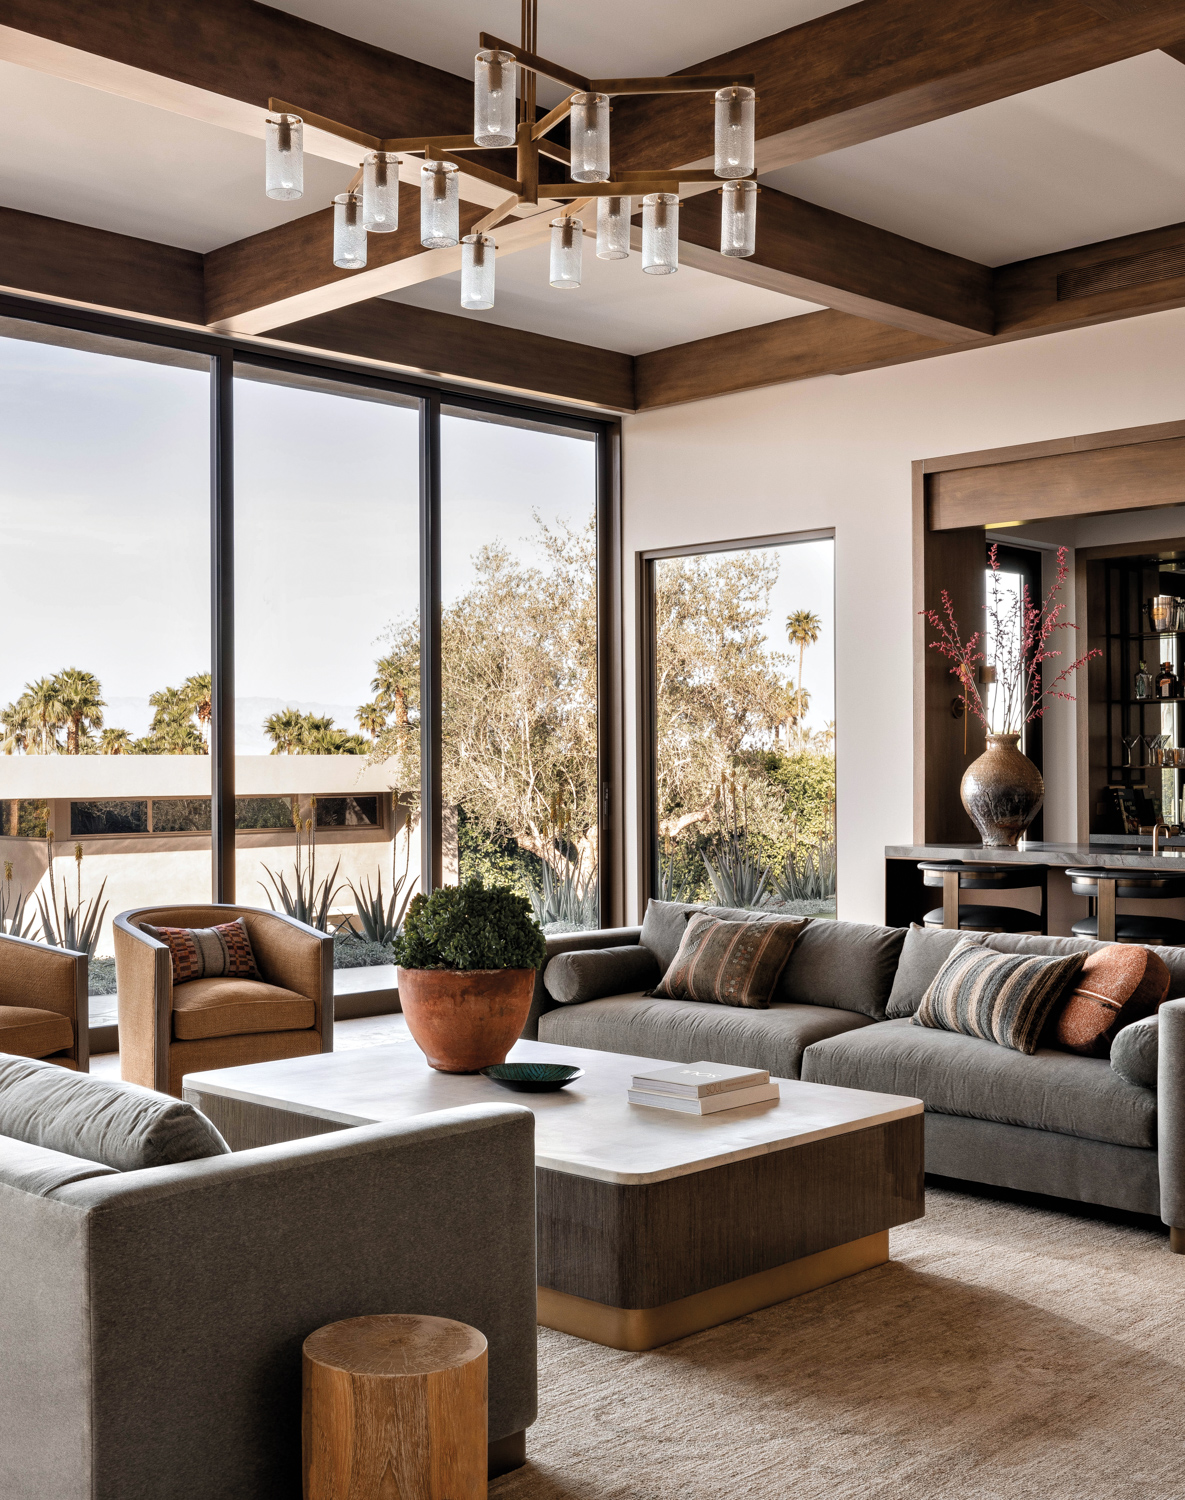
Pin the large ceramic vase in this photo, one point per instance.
(1002, 792)
(464, 1020)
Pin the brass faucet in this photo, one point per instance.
(1156, 835)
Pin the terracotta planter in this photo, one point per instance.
(1002, 792)
(464, 1020)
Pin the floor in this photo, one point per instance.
(1009, 1351)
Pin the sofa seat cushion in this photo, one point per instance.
(33, 1033)
(962, 1075)
(686, 1031)
(116, 1125)
(237, 1007)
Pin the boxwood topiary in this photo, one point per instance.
(470, 927)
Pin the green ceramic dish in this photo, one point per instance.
(532, 1078)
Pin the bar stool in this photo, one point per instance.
(955, 875)
(1104, 887)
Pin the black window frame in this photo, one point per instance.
(225, 351)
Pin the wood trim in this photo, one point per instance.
(822, 256)
(428, 342)
(1080, 443)
(920, 603)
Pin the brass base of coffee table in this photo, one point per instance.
(638, 1328)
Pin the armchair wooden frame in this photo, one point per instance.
(284, 948)
(65, 993)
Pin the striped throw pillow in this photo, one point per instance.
(730, 963)
(1001, 997)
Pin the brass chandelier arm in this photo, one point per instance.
(628, 189)
(538, 64)
(331, 127)
(495, 215)
(483, 174)
(433, 143)
(551, 120)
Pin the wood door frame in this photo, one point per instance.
(1075, 463)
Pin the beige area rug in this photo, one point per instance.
(1006, 1353)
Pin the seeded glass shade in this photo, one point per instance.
(738, 218)
(440, 205)
(660, 234)
(477, 272)
(284, 157)
(735, 109)
(613, 228)
(567, 239)
(589, 123)
(494, 80)
(380, 192)
(349, 233)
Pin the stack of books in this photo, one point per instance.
(702, 1088)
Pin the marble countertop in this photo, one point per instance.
(1119, 853)
(589, 1129)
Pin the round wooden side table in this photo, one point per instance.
(395, 1406)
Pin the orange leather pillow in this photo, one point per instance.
(1118, 984)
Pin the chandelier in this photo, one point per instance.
(504, 116)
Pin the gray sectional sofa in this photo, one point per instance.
(1055, 1123)
(157, 1289)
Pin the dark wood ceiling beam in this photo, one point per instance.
(881, 66)
(426, 342)
(1128, 277)
(821, 256)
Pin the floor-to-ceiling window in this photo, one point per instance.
(518, 532)
(742, 733)
(105, 655)
(327, 682)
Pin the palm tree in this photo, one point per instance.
(802, 628)
(79, 694)
(115, 742)
(371, 720)
(46, 711)
(283, 729)
(16, 728)
(199, 691)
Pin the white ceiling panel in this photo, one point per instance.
(601, 38)
(617, 306)
(1086, 159)
(74, 153)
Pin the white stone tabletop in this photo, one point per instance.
(589, 1128)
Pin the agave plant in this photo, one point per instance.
(566, 897)
(738, 877)
(71, 924)
(381, 921)
(809, 878)
(306, 899)
(12, 908)
(672, 887)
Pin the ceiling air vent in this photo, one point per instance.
(1127, 271)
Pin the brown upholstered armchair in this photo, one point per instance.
(167, 1030)
(44, 1011)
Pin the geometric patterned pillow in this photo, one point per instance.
(729, 963)
(208, 952)
(1000, 997)
(1119, 984)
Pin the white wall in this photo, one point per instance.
(836, 452)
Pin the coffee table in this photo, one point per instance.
(650, 1224)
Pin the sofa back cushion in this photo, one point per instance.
(842, 965)
(923, 953)
(662, 929)
(117, 1125)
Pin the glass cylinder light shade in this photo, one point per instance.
(440, 205)
(567, 241)
(589, 124)
(477, 272)
(494, 107)
(284, 157)
(613, 228)
(735, 110)
(738, 218)
(380, 192)
(660, 234)
(349, 233)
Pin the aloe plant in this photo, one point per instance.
(12, 908)
(307, 899)
(71, 924)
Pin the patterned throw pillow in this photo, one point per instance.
(1001, 997)
(730, 963)
(207, 952)
(1119, 984)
